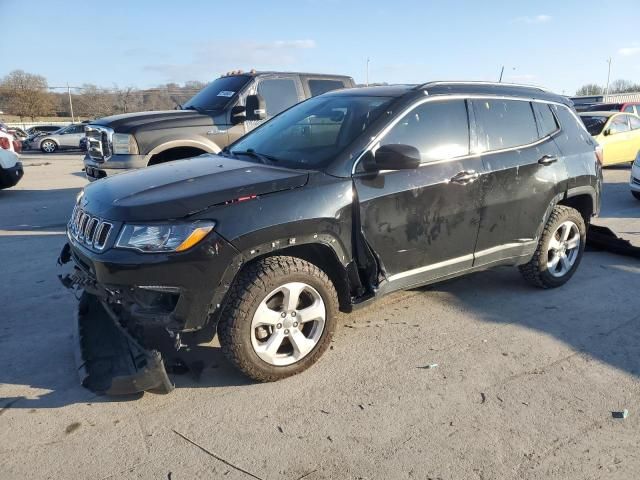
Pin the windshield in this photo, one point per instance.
(311, 134)
(218, 93)
(594, 124)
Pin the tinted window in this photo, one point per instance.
(628, 108)
(635, 123)
(311, 134)
(279, 94)
(604, 107)
(218, 93)
(318, 87)
(547, 121)
(594, 124)
(504, 123)
(439, 130)
(619, 124)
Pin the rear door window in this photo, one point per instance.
(320, 86)
(547, 123)
(439, 130)
(504, 124)
(279, 94)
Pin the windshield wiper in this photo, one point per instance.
(250, 152)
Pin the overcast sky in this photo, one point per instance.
(560, 45)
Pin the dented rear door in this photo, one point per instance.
(525, 173)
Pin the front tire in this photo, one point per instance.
(559, 251)
(279, 318)
(48, 146)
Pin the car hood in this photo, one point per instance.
(132, 122)
(184, 187)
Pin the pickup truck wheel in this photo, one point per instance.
(559, 250)
(48, 146)
(279, 318)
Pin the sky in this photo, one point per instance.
(557, 44)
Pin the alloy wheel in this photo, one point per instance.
(49, 146)
(288, 324)
(564, 248)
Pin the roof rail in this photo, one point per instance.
(432, 84)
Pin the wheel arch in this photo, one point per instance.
(166, 146)
(582, 199)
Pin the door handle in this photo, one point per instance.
(465, 177)
(548, 160)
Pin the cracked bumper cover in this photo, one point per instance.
(108, 359)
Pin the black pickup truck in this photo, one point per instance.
(218, 115)
(332, 204)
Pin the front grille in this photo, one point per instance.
(99, 142)
(635, 180)
(89, 230)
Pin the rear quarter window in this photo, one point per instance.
(547, 123)
(504, 123)
(574, 137)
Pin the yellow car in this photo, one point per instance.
(617, 133)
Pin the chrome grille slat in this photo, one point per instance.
(89, 230)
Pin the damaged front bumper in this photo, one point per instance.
(109, 360)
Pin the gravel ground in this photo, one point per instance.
(524, 387)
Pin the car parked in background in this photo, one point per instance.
(332, 204)
(63, 139)
(10, 167)
(34, 132)
(627, 107)
(634, 181)
(219, 114)
(18, 133)
(617, 133)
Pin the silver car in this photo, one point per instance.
(65, 138)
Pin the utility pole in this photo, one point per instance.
(501, 72)
(368, 71)
(606, 90)
(70, 103)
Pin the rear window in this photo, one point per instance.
(594, 124)
(504, 123)
(318, 87)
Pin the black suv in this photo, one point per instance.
(332, 204)
(219, 114)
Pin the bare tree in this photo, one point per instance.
(94, 102)
(590, 89)
(128, 99)
(26, 95)
(623, 86)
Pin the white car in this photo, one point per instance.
(634, 181)
(10, 167)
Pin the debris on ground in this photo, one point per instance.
(622, 414)
(603, 238)
(484, 397)
(431, 365)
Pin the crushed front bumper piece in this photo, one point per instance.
(109, 360)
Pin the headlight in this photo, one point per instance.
(162, 237)
(123, 143)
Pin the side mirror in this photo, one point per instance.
(238, 114)
(256, 107)
(393, 157)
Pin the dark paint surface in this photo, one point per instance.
(411, 219)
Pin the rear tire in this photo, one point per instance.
(559, 251)
(635, 194)
(278, 302)
(48, 146)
